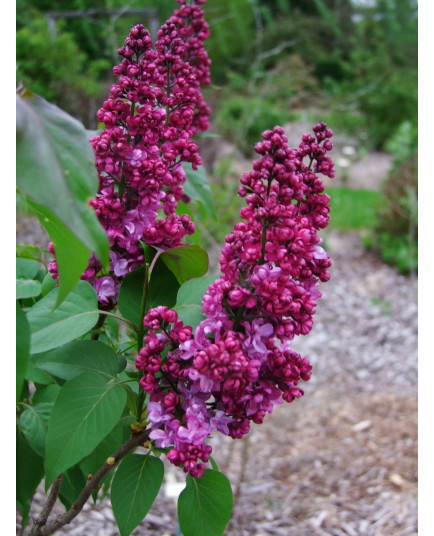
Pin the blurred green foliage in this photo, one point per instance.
(353, 210)
(363, 61)
(396, 231)
(71, 63)
(359, 62)
(353, 62)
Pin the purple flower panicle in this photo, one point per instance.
(238, 363)
(150, 117)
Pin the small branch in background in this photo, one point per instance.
(277, 50)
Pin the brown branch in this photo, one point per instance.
(92, 484)
(46, 510)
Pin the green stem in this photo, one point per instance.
(238, 317)
(141, 397)
(141, 330)
(99, 324)
(117, 317)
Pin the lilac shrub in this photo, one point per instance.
(221, 373)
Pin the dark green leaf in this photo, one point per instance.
(130, 295)
(46, 394)
(75, 316)
(197, 188)
(108, 445)
(186, 262)
(30, 470)
(36, 375)
(189, 300)
(73, 482)
(77, 357)
(163, 286)
(28, 288)
(122, 363)
(205, 505)
(85, 411)
(162, 290)
(34, 424)
(134, 488)
(22, 349)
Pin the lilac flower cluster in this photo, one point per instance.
(238, 363)
(152, 113)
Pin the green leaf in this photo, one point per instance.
(205, 505)
(46, 394)
(134, 488)
(186, 262)
(197, 188)
(34, 424)
(101, 452)
(71, 255)
(186, 208)
(48, 284)
(30, 470)
(85, 411)
(22, 349)
(56, 172)
(189, 300)
(213, 463)
(77, 357)
(73, 482)
(130, 295)
(163, 286)
(29, 252)
(162, 290)
(56, 168)
(36, 375)
(74, 317)
(26, 268)
(28, 288)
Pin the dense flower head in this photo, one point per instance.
(150, 117)
(238, 363)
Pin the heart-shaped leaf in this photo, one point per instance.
(76, 315)
(28, 288)
(85, 411)
(134, 488)
(162, 290)
(189, 300)
(34, 424)
(205, 505)
(186, 262)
